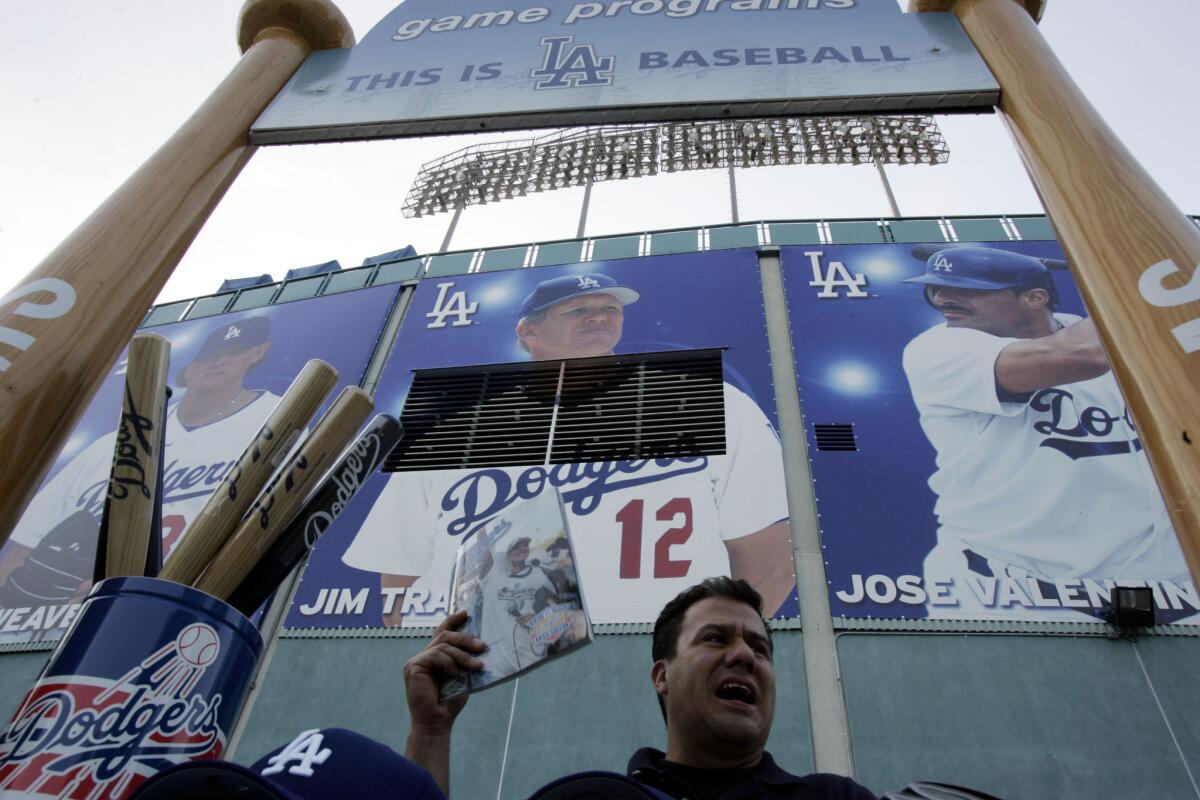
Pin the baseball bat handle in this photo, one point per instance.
(128, 523)
(280, 501)
(223, 511)
(341, 485)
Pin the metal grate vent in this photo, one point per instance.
(612, 408)
(835, 437)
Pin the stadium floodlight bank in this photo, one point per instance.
(488, 173)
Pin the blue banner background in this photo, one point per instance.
(691, 301)
(875, 506)
(341, 329)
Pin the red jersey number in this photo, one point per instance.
(677, 511)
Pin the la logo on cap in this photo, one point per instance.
(305, 750)
(233, 332)
(588, 282)
(943, 264)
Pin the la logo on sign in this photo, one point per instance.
(568, 65)
(451, 304)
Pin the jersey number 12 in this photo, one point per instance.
(630, 518)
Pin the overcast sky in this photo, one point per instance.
(90, 89)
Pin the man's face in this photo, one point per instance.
(1000, 312)
(719, 688)
(223, 370)
(576, 328)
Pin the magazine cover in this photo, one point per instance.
(517, 580)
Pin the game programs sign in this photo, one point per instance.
(643, 530)
(997, 472)
(429, 67)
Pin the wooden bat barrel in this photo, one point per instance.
(107, 273)
(224, 509)
(280, 501)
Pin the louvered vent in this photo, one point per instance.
(662, 405)
(835, 437)
(656, 405)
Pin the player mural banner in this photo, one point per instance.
(430, 67)
(998, 474)
(643, 530)
(227, 374)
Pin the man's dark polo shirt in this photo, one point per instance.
(765, 780)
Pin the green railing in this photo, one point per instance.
(630, 245)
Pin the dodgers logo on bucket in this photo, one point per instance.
(86, 736)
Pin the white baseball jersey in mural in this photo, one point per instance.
(1057, 485)
(196, 459)
(643, 530)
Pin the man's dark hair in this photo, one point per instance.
(670, 619)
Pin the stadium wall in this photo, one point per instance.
(1019, 706)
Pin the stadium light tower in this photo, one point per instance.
(489, 173)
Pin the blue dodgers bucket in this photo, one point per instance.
(151, 674)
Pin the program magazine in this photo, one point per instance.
(518, 580)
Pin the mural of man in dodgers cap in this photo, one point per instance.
(50, 553)
(1040, 474)
(643, 530)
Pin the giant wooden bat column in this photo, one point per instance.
(1133, 253)
(64, 325)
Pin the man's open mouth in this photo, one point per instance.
(737, 690)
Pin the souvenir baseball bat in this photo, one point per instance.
(323, 506)
(107, 273)
(133, 504)
(280, 501)
(263, 455)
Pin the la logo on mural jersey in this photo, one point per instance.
(483, 494)
(88, 736)
(569, 67)
(1081, 428)
(451, 304)
(835, 274)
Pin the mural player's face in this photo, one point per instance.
(223, 370)
(583, 326)
(999, 312)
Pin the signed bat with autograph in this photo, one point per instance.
(133, 503)
(358, 463)
(224, 510)
(273, 510)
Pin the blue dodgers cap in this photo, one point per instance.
(555, 290)
(319, 764)
(982, 268)
(235, 336)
